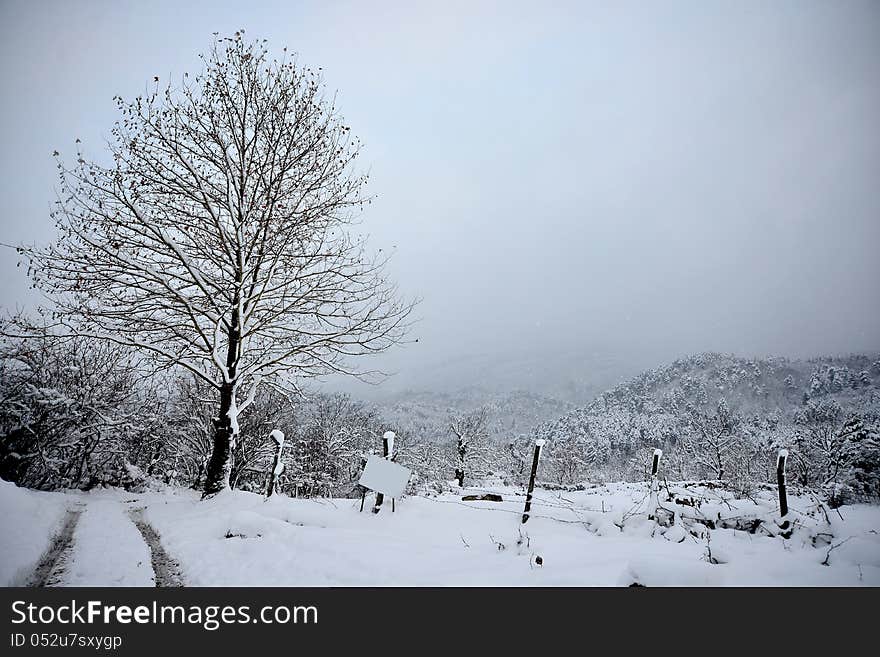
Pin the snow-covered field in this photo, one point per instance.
(600, 536)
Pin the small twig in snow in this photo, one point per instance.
(836, 545)
(498, 544)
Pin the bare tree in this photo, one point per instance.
(714, 439)
(326, 452)
(217, 239)
(471, 432)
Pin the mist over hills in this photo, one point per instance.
(569, 373)
(519, 390)
(623, 398)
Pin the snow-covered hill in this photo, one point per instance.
(720, 415)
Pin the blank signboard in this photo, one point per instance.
(383, 476)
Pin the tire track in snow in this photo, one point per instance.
(50, 570)
(165, 568)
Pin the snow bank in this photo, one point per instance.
(30, 521)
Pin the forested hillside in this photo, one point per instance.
(721, 416)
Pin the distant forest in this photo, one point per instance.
(76, 413)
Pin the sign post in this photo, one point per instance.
(385, 477)
(387, 446)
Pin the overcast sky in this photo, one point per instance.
(677, 176)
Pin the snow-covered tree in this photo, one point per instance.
(837, 451)
(216, 238)
(189, 426)
(713, 439)
(470, 446)
(865, 463)
(419, 448)
(822, 449)
(71, 411)
(328, 445)
(566, 460)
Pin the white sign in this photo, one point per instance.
(384, 476)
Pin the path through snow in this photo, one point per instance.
(166, 569)
(51, 567)
(107, 549)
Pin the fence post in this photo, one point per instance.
(655, 463)
(780, 480)
(655, 486)
(277, 463)
(538, 445)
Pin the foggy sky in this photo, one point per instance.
(666, 176)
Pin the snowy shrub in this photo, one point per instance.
(73, 411)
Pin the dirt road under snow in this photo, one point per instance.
(106, 543)
(50, 570)
(165, 568)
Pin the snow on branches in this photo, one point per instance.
(217, 237)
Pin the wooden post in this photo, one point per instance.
(389, 454)
(364, 491)
(387, 446)
(277, 463)
(538, 445)
(655, 463)
(780, 479)
(655, 468)
(655, 487)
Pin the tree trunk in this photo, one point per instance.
(220, 464)
(462, 453)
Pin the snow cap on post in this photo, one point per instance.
(658, 452)
(277, 436)
(389, 438)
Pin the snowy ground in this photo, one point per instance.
(601, 536)
(30, 520)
